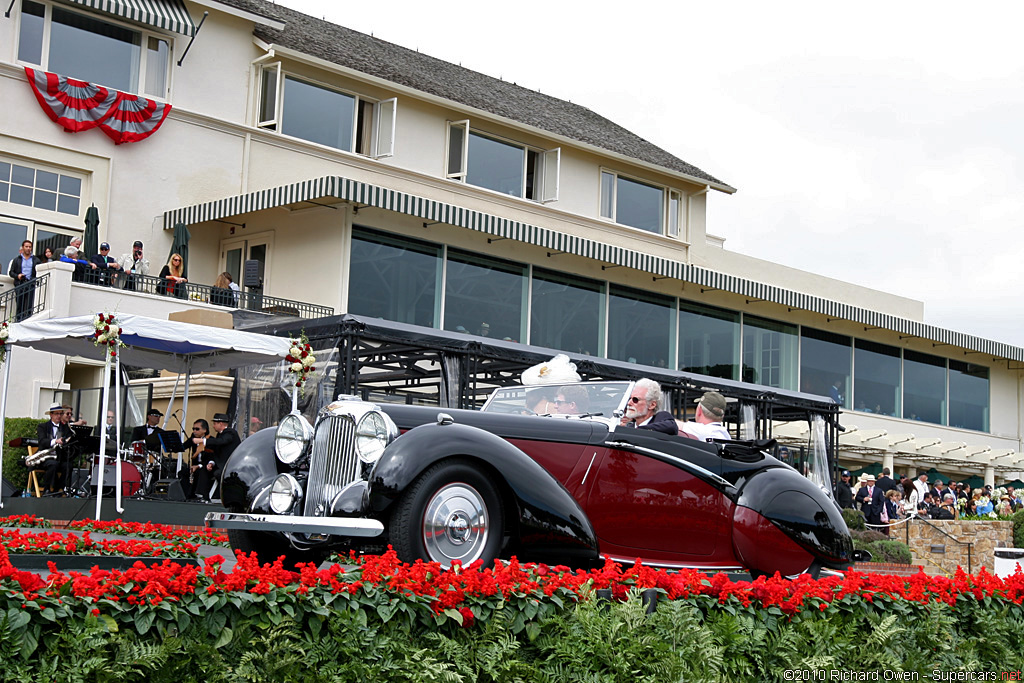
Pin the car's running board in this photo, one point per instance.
(291, 524)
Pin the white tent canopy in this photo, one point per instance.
(178, 347)
(158, 344)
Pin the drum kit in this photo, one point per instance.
(141, 468)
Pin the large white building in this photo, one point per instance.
(364, 177)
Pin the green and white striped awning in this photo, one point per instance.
(440, 212)
(169, 15)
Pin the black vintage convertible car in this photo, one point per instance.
(462, 485)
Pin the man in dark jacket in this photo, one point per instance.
(54, 433)
(643, 409)
(23, 270)
(885, 482)
(223, 445)
(844, 493)
(106, 264)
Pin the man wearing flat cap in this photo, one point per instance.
(54, 433)
(149, 431)
(222, 445)
(707, 423)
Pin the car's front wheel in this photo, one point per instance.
(452, 512)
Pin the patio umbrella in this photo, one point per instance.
(90, 241)
(180, 246)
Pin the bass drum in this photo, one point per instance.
(131, 479)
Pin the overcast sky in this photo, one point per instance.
(878, 143)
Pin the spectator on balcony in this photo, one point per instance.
(173, 278)
(134, 264)
(23, 270)
(82, 267)
(48, 256)
(106, 265)
(223, 292)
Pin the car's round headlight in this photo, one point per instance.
(293, 436)
(284, 493)
(373, 434)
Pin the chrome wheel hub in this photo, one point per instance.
(455, 525)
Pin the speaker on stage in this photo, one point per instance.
(8, 488)
(168, 489)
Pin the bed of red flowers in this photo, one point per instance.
(150, 530)
(381, 598)
(19, 541)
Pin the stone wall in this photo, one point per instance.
(939, 554)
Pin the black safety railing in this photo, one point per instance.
(218, 296)
(24, 300)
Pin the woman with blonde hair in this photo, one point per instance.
(173, 278)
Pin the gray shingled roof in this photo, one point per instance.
(412, 69)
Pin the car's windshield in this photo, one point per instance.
(589, 398)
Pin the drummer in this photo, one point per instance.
(146, 431)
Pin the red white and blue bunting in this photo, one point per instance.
(77, 105)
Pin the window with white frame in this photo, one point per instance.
(642, 205)
(40, 188)
(61, 40)
(501, 165)
(327, 116)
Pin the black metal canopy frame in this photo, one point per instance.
(397, 362)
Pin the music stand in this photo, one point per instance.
(171, 442)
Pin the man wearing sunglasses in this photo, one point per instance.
(643, 409)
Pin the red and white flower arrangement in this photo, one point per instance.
(107, 332)
(301, 359)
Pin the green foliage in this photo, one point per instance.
(1018, 529)
(882, 547)
(14, 465)
(854, 519)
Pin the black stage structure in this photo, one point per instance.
(396, 362)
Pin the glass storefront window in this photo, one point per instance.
(640, 327)
(825, 364)
(769, 352)
(394, 278)
(709, 340)
(567, 313)
(485, 296)
(968, 396)
(924, 387)
(876, 378)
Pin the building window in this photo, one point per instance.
(968, 396)
(81, 46)
(640, 327)
(325, 115)
(40, 188)
(709, 340)
(769, 352)
(485, 296)
(826, 364)
(567, 313)
(501, 165)
(394, 278)
(876, 378)
(924, 387)
(641, 205)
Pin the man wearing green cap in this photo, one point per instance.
(707, 423)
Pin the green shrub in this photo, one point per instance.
(895, 552)
(868, 536)
(854, 518)
(14, 458)
(1018, 529)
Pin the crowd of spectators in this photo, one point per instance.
(884, 501)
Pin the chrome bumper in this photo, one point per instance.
(331, 526)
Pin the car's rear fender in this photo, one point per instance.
(548, 522)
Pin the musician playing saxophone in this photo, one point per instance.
(54, 434)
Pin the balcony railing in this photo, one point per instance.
(250, 301)
(25, 300)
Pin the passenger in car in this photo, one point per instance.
(538, 402)
(643, 410)
(572, 400)
(707, 424)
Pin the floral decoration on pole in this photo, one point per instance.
(108, 332)
(301, 359)
(4, 334)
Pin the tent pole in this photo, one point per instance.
(174, 395)
(117, 407)
(184, 404)
(117, 466)
(3, 412)
(103, 438)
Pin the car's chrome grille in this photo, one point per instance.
(333, 463)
